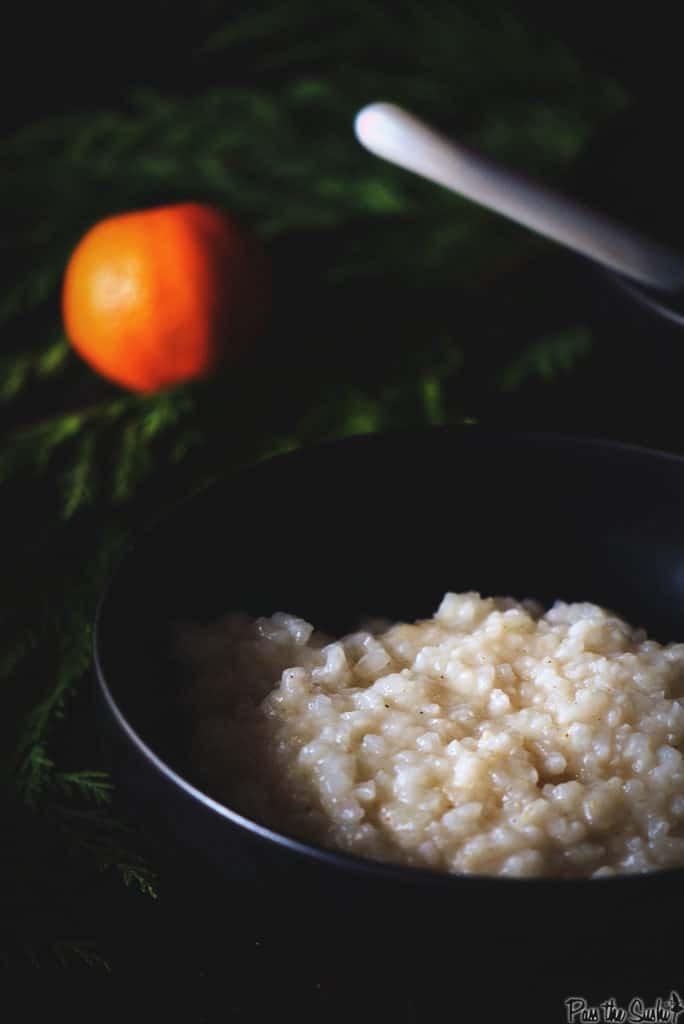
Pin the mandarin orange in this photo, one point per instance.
(156, 297)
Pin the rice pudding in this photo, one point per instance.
(494, 738)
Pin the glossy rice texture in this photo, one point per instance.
(494, 738)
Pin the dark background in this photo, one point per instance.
(75, 57)
(51, 51)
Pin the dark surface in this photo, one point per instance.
(196, 956)
(205, 951)
(629, 388)
(203, 957)
(518, 515)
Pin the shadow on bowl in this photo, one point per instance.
(384, 525)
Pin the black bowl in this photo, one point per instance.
(384, 525)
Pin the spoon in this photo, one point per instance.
(396, 135)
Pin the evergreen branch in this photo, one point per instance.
(136, 875)
(52, 430)
(99, 836)
(94, 786)
(78, 481)
(23, 641)
(63, 951)
(38, 779)
(17, 370)
(33, 763)
(80, 950)
(46, 951)
(547, 358)
(83, 434)
(34, 774)
(74, 437)
(133, 459)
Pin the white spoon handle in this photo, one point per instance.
(397, 136)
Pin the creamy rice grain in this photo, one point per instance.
(490, 739)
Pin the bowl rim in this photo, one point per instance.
(350, 862)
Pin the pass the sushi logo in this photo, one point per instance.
(637, 1011)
